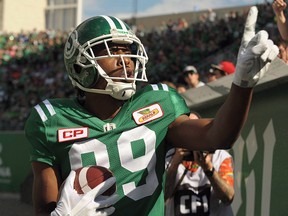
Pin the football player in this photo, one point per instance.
(112, 125)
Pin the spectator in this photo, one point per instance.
(222, 69)
(210, 76)
(191, 77)
(279, 7)
(283, 51)
(38, 56)
(199, 177)
(212, 15)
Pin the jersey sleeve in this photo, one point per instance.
(178, 102)
(35, 132)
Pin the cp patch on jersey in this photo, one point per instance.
(147, 114)
(67, 134)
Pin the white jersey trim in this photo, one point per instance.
(49, 107)
(165, 87)
(41, 113)
(155, 87)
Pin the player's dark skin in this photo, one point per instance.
(113, 66)
(201, 134)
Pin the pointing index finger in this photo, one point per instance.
(250, 24)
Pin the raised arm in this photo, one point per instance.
(254, 58)
(279, 7)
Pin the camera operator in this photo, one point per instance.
(199, 183)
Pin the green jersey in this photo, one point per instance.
(63, 134)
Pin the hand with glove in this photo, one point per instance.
(255, 54)
(91, 203)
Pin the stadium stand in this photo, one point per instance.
(32, 66)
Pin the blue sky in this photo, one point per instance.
(127, 8)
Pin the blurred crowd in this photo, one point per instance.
(32, 67)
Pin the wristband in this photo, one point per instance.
(209, 172)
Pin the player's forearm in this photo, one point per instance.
(45, 189)
(222, 189)
(231, 117)
(43, 209)
(282, 26)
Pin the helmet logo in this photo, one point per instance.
(121, 36)
(70, 47)
(117, 32)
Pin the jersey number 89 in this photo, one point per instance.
(124, 145)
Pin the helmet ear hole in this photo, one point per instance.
(77, 68)
(92, 78)
(87, 77)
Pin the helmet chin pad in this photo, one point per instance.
(121, 91)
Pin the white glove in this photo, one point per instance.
(89, 204)
(255, 54)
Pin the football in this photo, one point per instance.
(89, 177)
